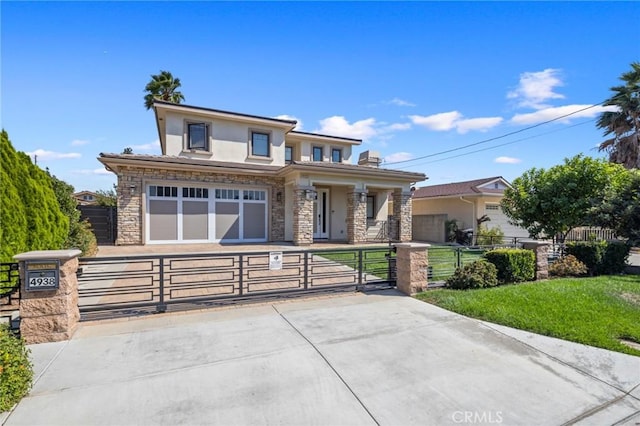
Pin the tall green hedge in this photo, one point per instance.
(30, 216)
(600, 257)
(513, 265)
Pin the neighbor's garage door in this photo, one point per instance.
(499, 219)
(196, 214)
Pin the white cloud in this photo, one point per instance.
(454, 120)
(44, 155)
(401, 102)
(440, 122)
(339, 126)
(507, 160)
(397, 127)
(555, 112)
(99, 171)
(480, 124)
(291, 117)
(151, 146)
(398, 156)
(537, 87)
(79, 142)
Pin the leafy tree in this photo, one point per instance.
(623, 124)
(552, 202)
(163, 87)
(107, 197)
(127, 150)
(31, 216)
(620, 209)
(80, 235)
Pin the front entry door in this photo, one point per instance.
(320, 214)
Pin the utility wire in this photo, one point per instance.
(495, 138)
(495, 146)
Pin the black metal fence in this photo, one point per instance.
(133, 285)
(9, 291)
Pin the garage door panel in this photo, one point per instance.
(195, 218)
(227, 221)
(163, 225)
(254, 221)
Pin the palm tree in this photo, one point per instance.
(623, 124)
(163, 87)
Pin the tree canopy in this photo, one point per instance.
(550, 203)
(624, 123)
(620, 210)
(164, 87)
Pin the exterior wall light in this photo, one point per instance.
(132, 189)
(279, 197)
(363, 197)
(311, 194)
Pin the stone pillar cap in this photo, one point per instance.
(412, 245)
(48, 254)
(537, 243)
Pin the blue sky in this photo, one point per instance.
(411, 79)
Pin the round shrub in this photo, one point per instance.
(568, 266)
(16, 371)
(478, 274)
(514, 265)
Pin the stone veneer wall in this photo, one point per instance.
(356, 218)
(130, 220)
(541, 250)
(402, 203)
(302, 217)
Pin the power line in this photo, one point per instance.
(496, 137)
(496, 146)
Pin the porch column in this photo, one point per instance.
(303, 197)
(400, 228)
(48, 295)
(356, 216)
(411, 267)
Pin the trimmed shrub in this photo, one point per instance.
(513, 265)
(600, 257)
(568, 266)
(16, 371)
(478, 274)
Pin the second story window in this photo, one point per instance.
(336, 155)
(288, 154)
(259, 144)
(198, 136)
(317, 153)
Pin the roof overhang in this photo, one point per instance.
(295, 135)
(352, 171)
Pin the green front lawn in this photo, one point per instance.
(594, 311)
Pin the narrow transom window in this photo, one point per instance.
(259, 144)
(371, 203)
(195, 193)
(288, 154)
(163, 191)
(336, 155)
(197, 136)
(317, 153)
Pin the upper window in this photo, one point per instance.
(492, 207)
(260, 144)
(371, 203)
(317, 153)
(288, 154)
(198, 136)
(336, 155)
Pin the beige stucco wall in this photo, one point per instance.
(303, 150)
(229, 141)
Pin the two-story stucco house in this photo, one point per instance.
(231, 177)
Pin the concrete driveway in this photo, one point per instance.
(349, 360)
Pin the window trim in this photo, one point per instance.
(269, 135)
(187, 136)
(313, 156)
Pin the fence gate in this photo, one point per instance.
(104, 222)
(9, 293)
(133, 285)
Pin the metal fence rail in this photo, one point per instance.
(9, 291)
(132, 285)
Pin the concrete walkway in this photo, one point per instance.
(349, 360)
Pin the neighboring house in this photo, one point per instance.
(231, 177)
(86, 198)
(463, 201)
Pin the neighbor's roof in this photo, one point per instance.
(470, 187)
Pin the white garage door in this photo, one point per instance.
(499, 219)
(183, 214)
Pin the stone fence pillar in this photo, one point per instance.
(48, 315)
(541, 250)
(411, 267)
